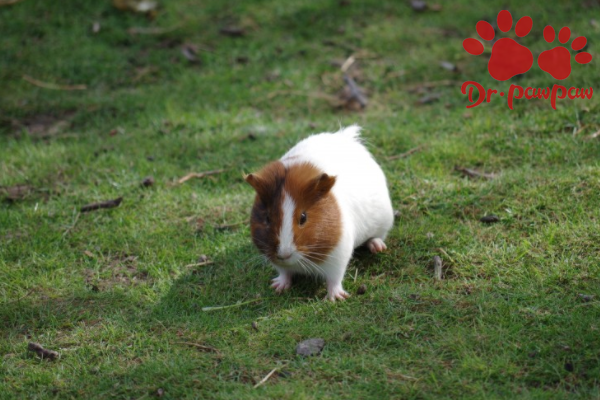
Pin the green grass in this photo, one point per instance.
(110, 290)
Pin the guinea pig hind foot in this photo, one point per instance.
(376, 245)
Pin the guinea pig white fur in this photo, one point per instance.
(313, 207)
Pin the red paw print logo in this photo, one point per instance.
(557, 61)
(509, 58)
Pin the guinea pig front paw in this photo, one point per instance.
(281, 283)
(376, 245)
(336, 293)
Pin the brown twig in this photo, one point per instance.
(142, 30)
(348, 63)
(266, 378)
(429, 85)
(232, 31)
(199, 175)
(296, 93)
(225, 227)
(437, 268)
(70, 228)
(200, 264)
(52, 86)
(201, 347)
(20, 298)
(8, 2)
(471, 173)
(594, 135)
(355, 91)
(42, 352)
(405, 154)
(104, 204)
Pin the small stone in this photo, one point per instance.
(569, 366)
(362, 289)
(148, 181)
(310, 347)
(586, 297)
(448, 66)
(160, 392)
(202, 258)
(255, 326)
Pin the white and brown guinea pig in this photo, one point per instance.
(314, 206)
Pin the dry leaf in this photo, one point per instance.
(140, 6)
(190, 52)
(418, 5)
(232, 31)
(17, 192)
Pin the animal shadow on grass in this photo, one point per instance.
(239, 281)
(236, 289)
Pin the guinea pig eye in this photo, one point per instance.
(303, 218)
(267, 220)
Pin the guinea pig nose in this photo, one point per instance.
(283, 256)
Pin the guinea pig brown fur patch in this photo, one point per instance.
(267, 212)
(310, 189)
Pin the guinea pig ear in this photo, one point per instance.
(267, 181)
(321, 185)
(257, 183)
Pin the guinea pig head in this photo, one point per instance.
(295, 216)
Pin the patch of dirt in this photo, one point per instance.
(43, 126)
(118, 270)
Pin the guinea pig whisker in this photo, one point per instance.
(315, 266)
(305, 266)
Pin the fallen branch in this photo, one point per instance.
(471, 173)
(405, 154)
(105, 204)
(52, 86)
(437, 268)
(42, 352)
(199, 175)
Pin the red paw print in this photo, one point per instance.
(509, 58)
(557, 61)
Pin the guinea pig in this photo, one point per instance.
(314, 206)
